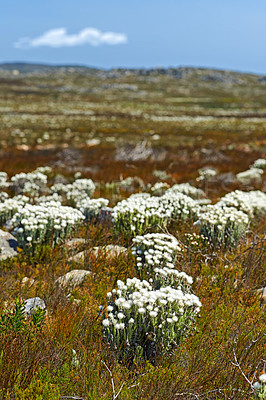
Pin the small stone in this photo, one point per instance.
(27, 281)
(72, 279)
(262, 293)
(79, 257)
(8, 245)
(110, 251)
(74, 243)
(32, 304)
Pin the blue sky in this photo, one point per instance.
(226, 34)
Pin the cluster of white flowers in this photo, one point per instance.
(206, 174)
(259, 163)
(47, 199)
(134, 215)
(37, 224)
(155, 255)
(74, 192)
(10, 206)
(91, 207)
(251, 176)
(179, 205)
(140, 317)
(260, 387)
(138, 213)
(30, 183)
(252, 203)
(141, 195)
(44, 170)
(3, 196)
(3, 180)
(223, 225)
(159, 188)
(59, 188)
(188, 190)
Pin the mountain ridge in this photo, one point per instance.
(179, 71)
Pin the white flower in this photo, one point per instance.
(153, 314)
(257, 386)
(262, 378)
(106, 322)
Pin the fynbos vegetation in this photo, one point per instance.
(132, 235)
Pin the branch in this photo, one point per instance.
(115, 396)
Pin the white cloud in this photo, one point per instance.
(60, 38)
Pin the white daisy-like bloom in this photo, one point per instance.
(257, 386)
(262, 378)
(153, 314)
(106, 322)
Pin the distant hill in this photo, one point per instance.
(29, 68)
(205, 74)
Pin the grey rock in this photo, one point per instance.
(8, 245)
(140, 151)
(79, 257)
(27, 281)
(262, 293)
(110, 251)
(32, 304)
(72, 279)
(74, 243)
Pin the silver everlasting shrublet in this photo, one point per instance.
(252, 203)
(149, 316)
(10, 206)
(155, 255)
(91, 207)
(47, 222)
(74, 192)
(188, 190)
(223, 225)
(146, 322)
(138, 213)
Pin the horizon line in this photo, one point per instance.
(51, 64)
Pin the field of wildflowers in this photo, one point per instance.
(167, 300)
